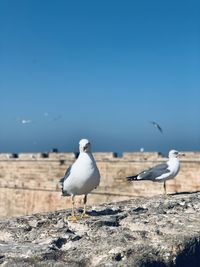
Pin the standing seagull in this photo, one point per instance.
(157, 126)
(161, 172)
(81, 177)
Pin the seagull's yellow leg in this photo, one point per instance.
(73, 217)
(84, 214)
(165, 190)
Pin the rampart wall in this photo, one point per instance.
(29, 183)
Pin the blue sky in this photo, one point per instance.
(99, 70)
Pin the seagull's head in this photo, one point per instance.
(175, 154)
(84, 145)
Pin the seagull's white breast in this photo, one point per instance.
(84, 175)
(174, 166)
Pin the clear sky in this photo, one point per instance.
(99, 70)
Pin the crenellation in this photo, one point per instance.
(63, 156)
(141, 156)
(4, 156)
(29, 156)
(191, 154)
(105, 155)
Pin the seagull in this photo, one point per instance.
(157, 126)
(161, 172)
(81, 177)
(24, 121)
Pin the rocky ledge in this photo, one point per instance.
(141, 232)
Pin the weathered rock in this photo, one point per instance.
(151, 232)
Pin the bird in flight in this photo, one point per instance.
(24, 121)
(157, 126)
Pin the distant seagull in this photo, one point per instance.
(24, 121)
(157, 126)
(81, 177)
(161, 172)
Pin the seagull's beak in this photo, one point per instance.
(181, 154)
(85, 147)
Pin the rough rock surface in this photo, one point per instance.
(141, 232)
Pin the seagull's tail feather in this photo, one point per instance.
(132, 178)
(61, 181)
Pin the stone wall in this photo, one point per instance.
(142, 232)
(29, 182)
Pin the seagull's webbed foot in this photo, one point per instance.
(85, 215)
(165, 196)
(73, 218)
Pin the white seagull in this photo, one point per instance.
(81, 177)
(23, 121)
(161, 172)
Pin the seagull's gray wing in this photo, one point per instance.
(159, 128)
(62, 180)
(156, 125)
(153, 173)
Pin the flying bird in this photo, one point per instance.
(157, 126)
(81, 177)
(24, 121)
(161, 172)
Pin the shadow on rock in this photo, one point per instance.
(183, 193)
(104, 212)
